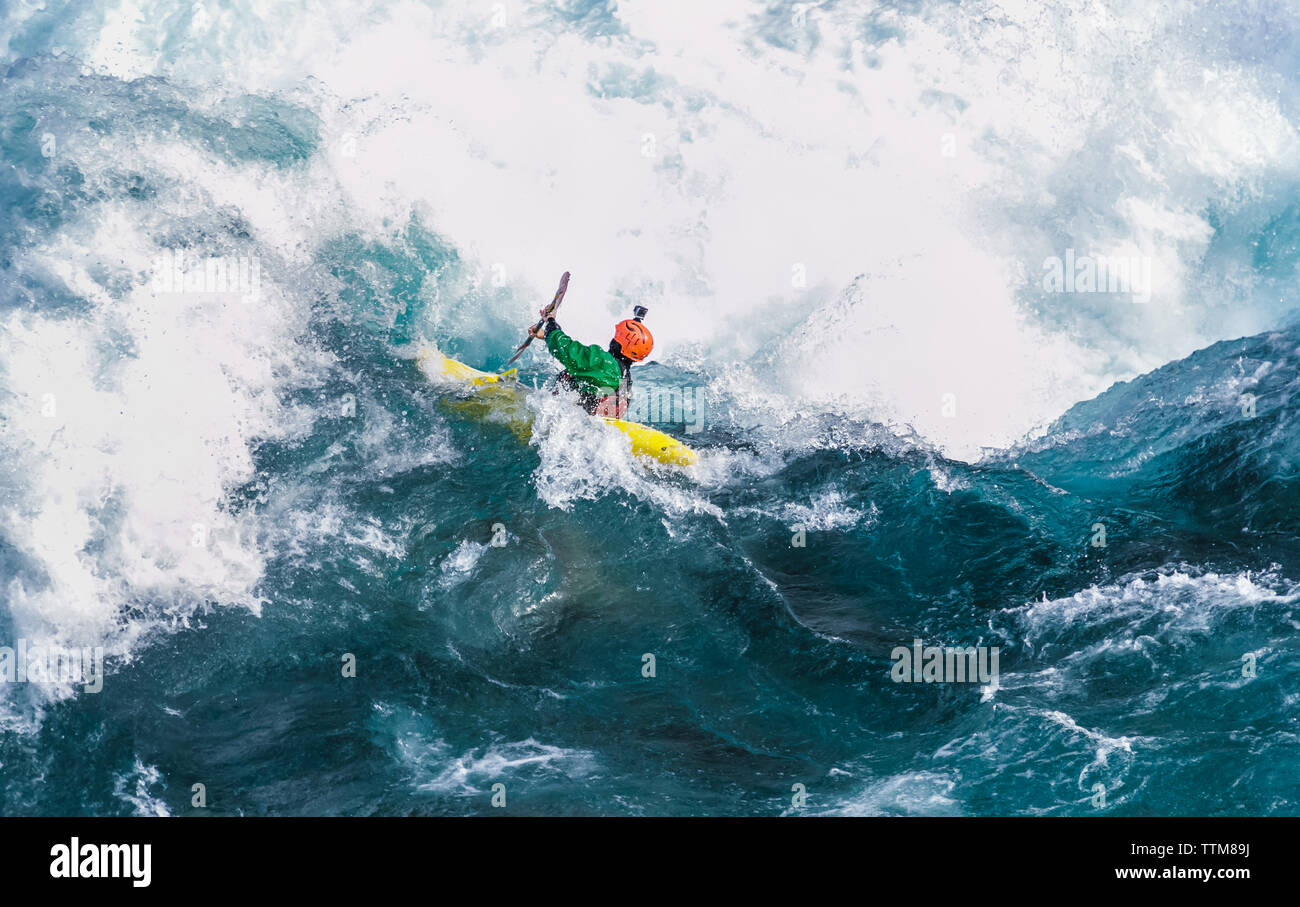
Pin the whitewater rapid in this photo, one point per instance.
(840, 216)
(855, 200)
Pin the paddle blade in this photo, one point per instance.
(559, 297)
(546, 313)
(519, 351)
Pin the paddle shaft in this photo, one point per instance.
(547, 312)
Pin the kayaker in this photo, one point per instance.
(602, 378)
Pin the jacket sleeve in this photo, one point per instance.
(573, 355)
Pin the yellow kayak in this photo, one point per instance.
(645, 441)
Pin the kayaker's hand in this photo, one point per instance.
(541, 331)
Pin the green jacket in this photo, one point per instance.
(594, 370)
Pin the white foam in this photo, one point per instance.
(817, 147)
(827, 511)
(919, 793)
(457, 566)
(435, 765)
(1187, 600)
(475, 770)
(584, 459)
(129, 423)
(133, 788)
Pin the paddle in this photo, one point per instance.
(546, 313)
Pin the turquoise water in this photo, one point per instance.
(233, 495)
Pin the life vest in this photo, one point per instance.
(613, 406)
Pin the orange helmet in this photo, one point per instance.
(634, 339)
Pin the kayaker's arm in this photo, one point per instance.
(577, 358)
